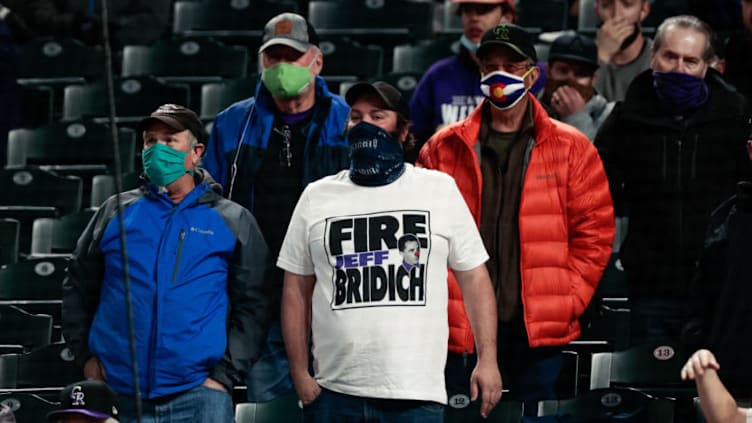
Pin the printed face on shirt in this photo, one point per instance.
(681, 52)
(410, 252)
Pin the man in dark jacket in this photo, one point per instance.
(265, 149)
(196, 264)
(673, 150)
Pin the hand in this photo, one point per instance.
(486, 380)
(567, 101)
(696, 366)
(93, 369)
(611, 36)
(213, 384)
(307, 388)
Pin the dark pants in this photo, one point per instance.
(334, 407)
(530, 374)
(655, 319)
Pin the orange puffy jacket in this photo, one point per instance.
(566, 222)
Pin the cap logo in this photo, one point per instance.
(283, 27)
(77, 396)
(502, 32)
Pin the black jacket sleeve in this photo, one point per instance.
(249, 292)
(82, 285)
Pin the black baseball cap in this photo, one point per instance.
(391, 96)
(178, 118)
(289, 29)
(512, 36)
(91, 398)
(576, 47)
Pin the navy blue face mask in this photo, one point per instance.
(679, 93)
(375, 156)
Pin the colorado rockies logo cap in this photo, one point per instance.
(91, 398)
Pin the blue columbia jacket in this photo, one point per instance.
(248, 124)
(200, 302)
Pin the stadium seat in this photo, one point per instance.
(587, 20)
(420, 56)
(103, 186)
(22, 328)
(48, 366)
(217, 96)
(27, 407)
(339, 65)
(227, 18)
(29, 194)
(506, 411)
(36, 107)
(58, 235)
(608, 324)
(135, 98)
(58, 61)
(9, 238)
(191, 60)
(35, 188)
(79, 148)
(543, 15)
(651, 368)
(405, 82)
(610, 404)
(284, 409)
(33, 279)
(379, 21)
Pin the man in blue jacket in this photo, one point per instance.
(264, 150)
(196, 264)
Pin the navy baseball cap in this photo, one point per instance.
(392, 97)
(575, 47)
(91, 398)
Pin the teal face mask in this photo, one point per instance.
(164, 165)
(285, 80)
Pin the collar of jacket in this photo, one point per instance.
(469, 128)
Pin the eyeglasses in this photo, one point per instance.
(285, 153)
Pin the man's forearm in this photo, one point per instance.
(480, 303)
(295, 319)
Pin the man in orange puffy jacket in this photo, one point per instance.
(539, 194)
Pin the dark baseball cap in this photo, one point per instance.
(291, 30)
(576, 47)
(391, 96)
(512, 36)
(91, 398)
(178, 118)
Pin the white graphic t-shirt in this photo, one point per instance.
(380, 257)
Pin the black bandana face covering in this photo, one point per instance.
(375, 156)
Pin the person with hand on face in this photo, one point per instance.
(513, 165)
(717, 404)
(623, 51)
(569, 95)
(197, 267)
(379, 329)
(449, 90)
(674, 149)
(264, 150)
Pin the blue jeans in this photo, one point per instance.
(269, 377)
(334, 407)
(198, 405)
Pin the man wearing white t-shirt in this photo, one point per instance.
(379, 327)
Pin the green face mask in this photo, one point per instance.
(286, 80)
(164, 165)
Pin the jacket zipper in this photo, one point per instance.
(177, 258)
(680, 201)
